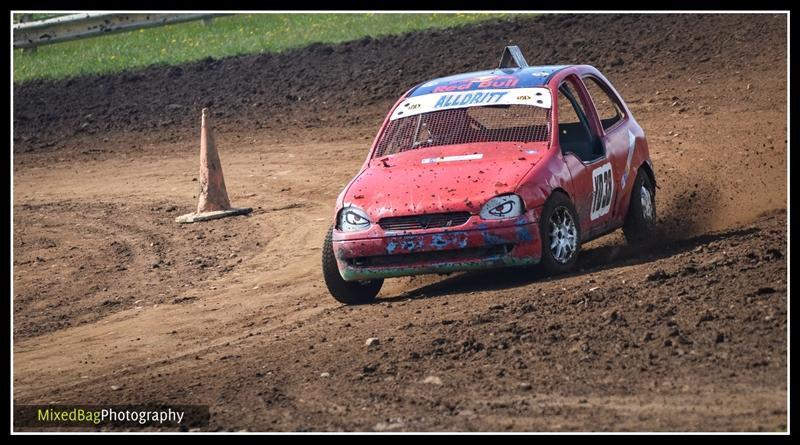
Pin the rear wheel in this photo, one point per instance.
(560, 234)
(347, 292)
(640, 222)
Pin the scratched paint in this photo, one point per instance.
(526, 250)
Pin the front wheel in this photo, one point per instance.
(560, 234)
(347, 292)
(640, 222)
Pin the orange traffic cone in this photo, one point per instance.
(213, 202)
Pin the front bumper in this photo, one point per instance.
(475, 245)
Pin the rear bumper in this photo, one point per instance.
(476, 245)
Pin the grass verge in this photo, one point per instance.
(225, 36)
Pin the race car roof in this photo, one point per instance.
(532, 76)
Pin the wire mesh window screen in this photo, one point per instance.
(494, 123)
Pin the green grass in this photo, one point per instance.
(226, 36)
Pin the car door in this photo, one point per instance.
(584, 153)
(614, 131)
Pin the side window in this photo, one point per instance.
(574, 135)
(608, 109)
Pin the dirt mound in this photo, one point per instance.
(336, 86)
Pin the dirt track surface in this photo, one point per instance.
(688, 335)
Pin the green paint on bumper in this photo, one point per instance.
(360, 274)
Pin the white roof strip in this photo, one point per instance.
(412, 106)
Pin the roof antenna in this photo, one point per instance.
(512, 54)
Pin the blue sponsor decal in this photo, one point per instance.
(462, 99)
(534, 76)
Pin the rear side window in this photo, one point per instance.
(608, 109)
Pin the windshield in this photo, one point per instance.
(491, 123)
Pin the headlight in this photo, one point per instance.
(506, 206)
(353, 219)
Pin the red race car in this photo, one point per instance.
(511, 167)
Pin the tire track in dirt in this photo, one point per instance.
(629, 331)
(127, 253)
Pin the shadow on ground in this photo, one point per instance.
(591, 260)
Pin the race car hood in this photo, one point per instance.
(452, 178)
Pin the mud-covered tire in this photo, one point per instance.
(347, 292)
(640, 222)
(552, 262)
